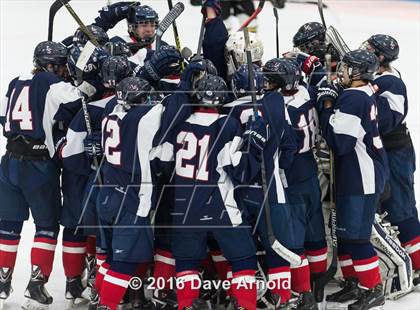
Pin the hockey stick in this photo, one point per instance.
(318, 284)
(167, 21)
(321, 13)
(275, 244)
(79, 22)
(88, 50)
(175, 28)
(200, 39)
(276, 15)
(53, 11)
(253, 16)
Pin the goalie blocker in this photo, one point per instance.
(397, 272)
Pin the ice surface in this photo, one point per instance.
(23, 24)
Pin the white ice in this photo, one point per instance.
(23, 24)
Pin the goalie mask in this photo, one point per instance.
(235, 47)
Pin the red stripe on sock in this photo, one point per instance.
(113, 289)
(42, 254)
(367, 271)
(190, 290)
(348, 270)
(73, 258)
(281, 277)
(300, 276)
(245, 291)
(8, 253)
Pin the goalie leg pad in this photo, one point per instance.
(396, 263)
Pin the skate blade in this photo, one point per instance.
(76, 303)
(2, 302)
(338, 305)
(30, 304)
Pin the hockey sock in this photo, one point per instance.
(301, 275)
(113, 289)
(164, 266)
(345, 262)
(279, 273)
(189, 290)
(101, 256)
(243, 284)
(316, 253)
(413, 249)
(91, 245)
(74, 251)
(43, 248)
(365, 262)
(141, 270)
(410, 239)
(100, 275)
(9, 242)
(244, 289)
(220, 263)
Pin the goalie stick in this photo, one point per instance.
(280, 249)
(319, 283)
(253, 16)
(54, 8)
(167, 21)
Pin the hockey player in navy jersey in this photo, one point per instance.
(37, 106)
(271, 107)
(392, 110)
(350, 126)
(209, 163)
(142, 23)
(301, 183)
(79, 207)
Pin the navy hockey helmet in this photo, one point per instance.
(384, 45)
(114, 69)
(142, 14)
(211, 90)
(49, 53)
(240, 81)
(80, 38)
(310, 39)
(361, 65)
(133, 90)
(282, 72)
(119, 48)
(92, 67)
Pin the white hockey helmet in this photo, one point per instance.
(236, 45)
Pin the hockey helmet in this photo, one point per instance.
(282, 72)
(240, 81)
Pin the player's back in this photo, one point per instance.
(304, 120)
(207, 165)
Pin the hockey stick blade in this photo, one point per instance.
(88, 50)
(54, 8)
(253, 16)
(168, 20)
(288, 255)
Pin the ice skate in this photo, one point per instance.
(5, 285)
(306, 301)
(165, 300)
(369, 299)
(37, 296)
(341, 299)
(74, 290)
(198, 304)
(416, 281)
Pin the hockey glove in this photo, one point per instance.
(92, 144)
(326, 92)
(164, 62)
(257, 134)
(308, 63)
(214, 4)
(110, 15)
(191, 75)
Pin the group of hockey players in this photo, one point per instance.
(184, 170)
